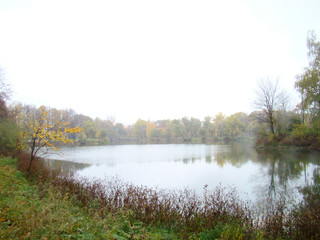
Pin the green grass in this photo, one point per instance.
(28, 211)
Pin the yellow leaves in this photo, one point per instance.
(73, 130)
(20, 146)
(21, 140)
(42, 132)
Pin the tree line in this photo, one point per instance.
(220, 128)
(184, 130)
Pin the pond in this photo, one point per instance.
(256, 174)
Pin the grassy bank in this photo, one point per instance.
(30, 211)
(46, 205)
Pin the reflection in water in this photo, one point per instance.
(66, 168)
(312, 191)
(283, 171)
(263, 174)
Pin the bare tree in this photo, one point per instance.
(269, 99)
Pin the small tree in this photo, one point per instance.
(269, 100)
(41, 134)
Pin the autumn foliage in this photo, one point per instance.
(42, 134)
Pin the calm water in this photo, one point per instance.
(256, 174)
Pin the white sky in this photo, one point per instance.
(152, 59)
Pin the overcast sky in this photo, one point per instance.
(152, 59)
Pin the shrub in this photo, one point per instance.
(287, 140)
(302, 134)
(9, 135)
(268, 140)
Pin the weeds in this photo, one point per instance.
(30, 212)
(181, 211)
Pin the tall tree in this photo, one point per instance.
(195, 125)
(90, 129)
(140, 130)
(219, 125)
(174, 130)
(150, 126)
(187, 126)
(120, 130)
(269, 99)
(308, 83)
(206, 129)
(235, 125)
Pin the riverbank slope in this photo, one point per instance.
(30, 211)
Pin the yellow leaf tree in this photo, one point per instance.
(41, 134)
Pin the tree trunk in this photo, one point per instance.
(31, 155)
(271, 122)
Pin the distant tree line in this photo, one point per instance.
(185, 130)
(220, 128)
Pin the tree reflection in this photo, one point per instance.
(282, 172)
(235, 154)
(66, 168)
(311, 192)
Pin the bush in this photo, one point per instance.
(302, 135)
(268, 140)
(9, 135)
(316, 143)
(287, 140)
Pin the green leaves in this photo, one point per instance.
(308, 83)
(9, 135)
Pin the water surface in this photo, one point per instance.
(256, 174)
